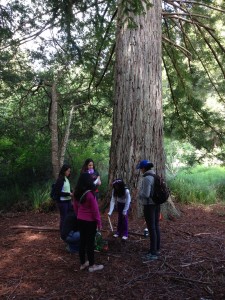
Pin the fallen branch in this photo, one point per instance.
(40, 228)
(46, 228)
(202, 233)
(194, 263)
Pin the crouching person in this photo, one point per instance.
(70, 233)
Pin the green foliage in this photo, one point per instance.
(39, 197)
(13, 198)
(131, 8)
(199, 185)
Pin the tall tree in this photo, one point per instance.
(137, 116)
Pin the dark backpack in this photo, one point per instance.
(52, 193)
(161, 192)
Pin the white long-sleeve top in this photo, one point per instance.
(126, 200)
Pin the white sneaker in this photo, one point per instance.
(95, 268)
(124, 238)
(85, 265)
(116, 235)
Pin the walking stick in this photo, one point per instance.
(110, 223)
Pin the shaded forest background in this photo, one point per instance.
(59, 52)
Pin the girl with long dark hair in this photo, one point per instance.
(89, 220)
(63, 194)
(89, 167)
(121, 196)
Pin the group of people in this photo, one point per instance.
(80, 217)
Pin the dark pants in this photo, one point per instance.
(64, 208)
(87, 240)
(151, 215)
(122, 225)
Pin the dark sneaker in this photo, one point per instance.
(150, 257)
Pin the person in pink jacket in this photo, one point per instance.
(89, 220)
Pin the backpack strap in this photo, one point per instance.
(84, 195)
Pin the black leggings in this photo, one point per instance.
(151, 215)
(87, 241)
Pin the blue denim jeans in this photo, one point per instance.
(151, 215)
(73, 241)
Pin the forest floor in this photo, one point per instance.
(35, 265)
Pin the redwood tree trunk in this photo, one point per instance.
(137, 118)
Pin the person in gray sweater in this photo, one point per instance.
(151, 210)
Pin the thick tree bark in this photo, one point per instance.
(137, 118)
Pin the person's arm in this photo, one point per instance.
(95, 209)
(75, 206)
(98, 179)
(127, 203)
(112, 205)
(58, 188)
(147, 183)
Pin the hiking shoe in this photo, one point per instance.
(116, 235)
(85, 265)
(158, 252)
(95, 268)
(149, 257)
(124, 238)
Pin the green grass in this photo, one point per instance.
(199, 185)
(39, 197)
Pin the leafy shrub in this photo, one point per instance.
(12, 198)
(39, 196)
(200, 184)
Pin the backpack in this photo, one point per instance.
(52, 193)
(161, 192)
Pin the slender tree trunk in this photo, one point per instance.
(137, 118)
(54, 131)
(66, 137)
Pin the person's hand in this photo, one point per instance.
(109, 214)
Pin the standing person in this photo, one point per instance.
(89, 167)
(121, 195)
(88, 215)
(151, 210)
(63, 194)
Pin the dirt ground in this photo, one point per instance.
(35, 265)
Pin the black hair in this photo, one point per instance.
(86, 163)
(63, 170)
(119, 188)
(149, 166)
(84, 183)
